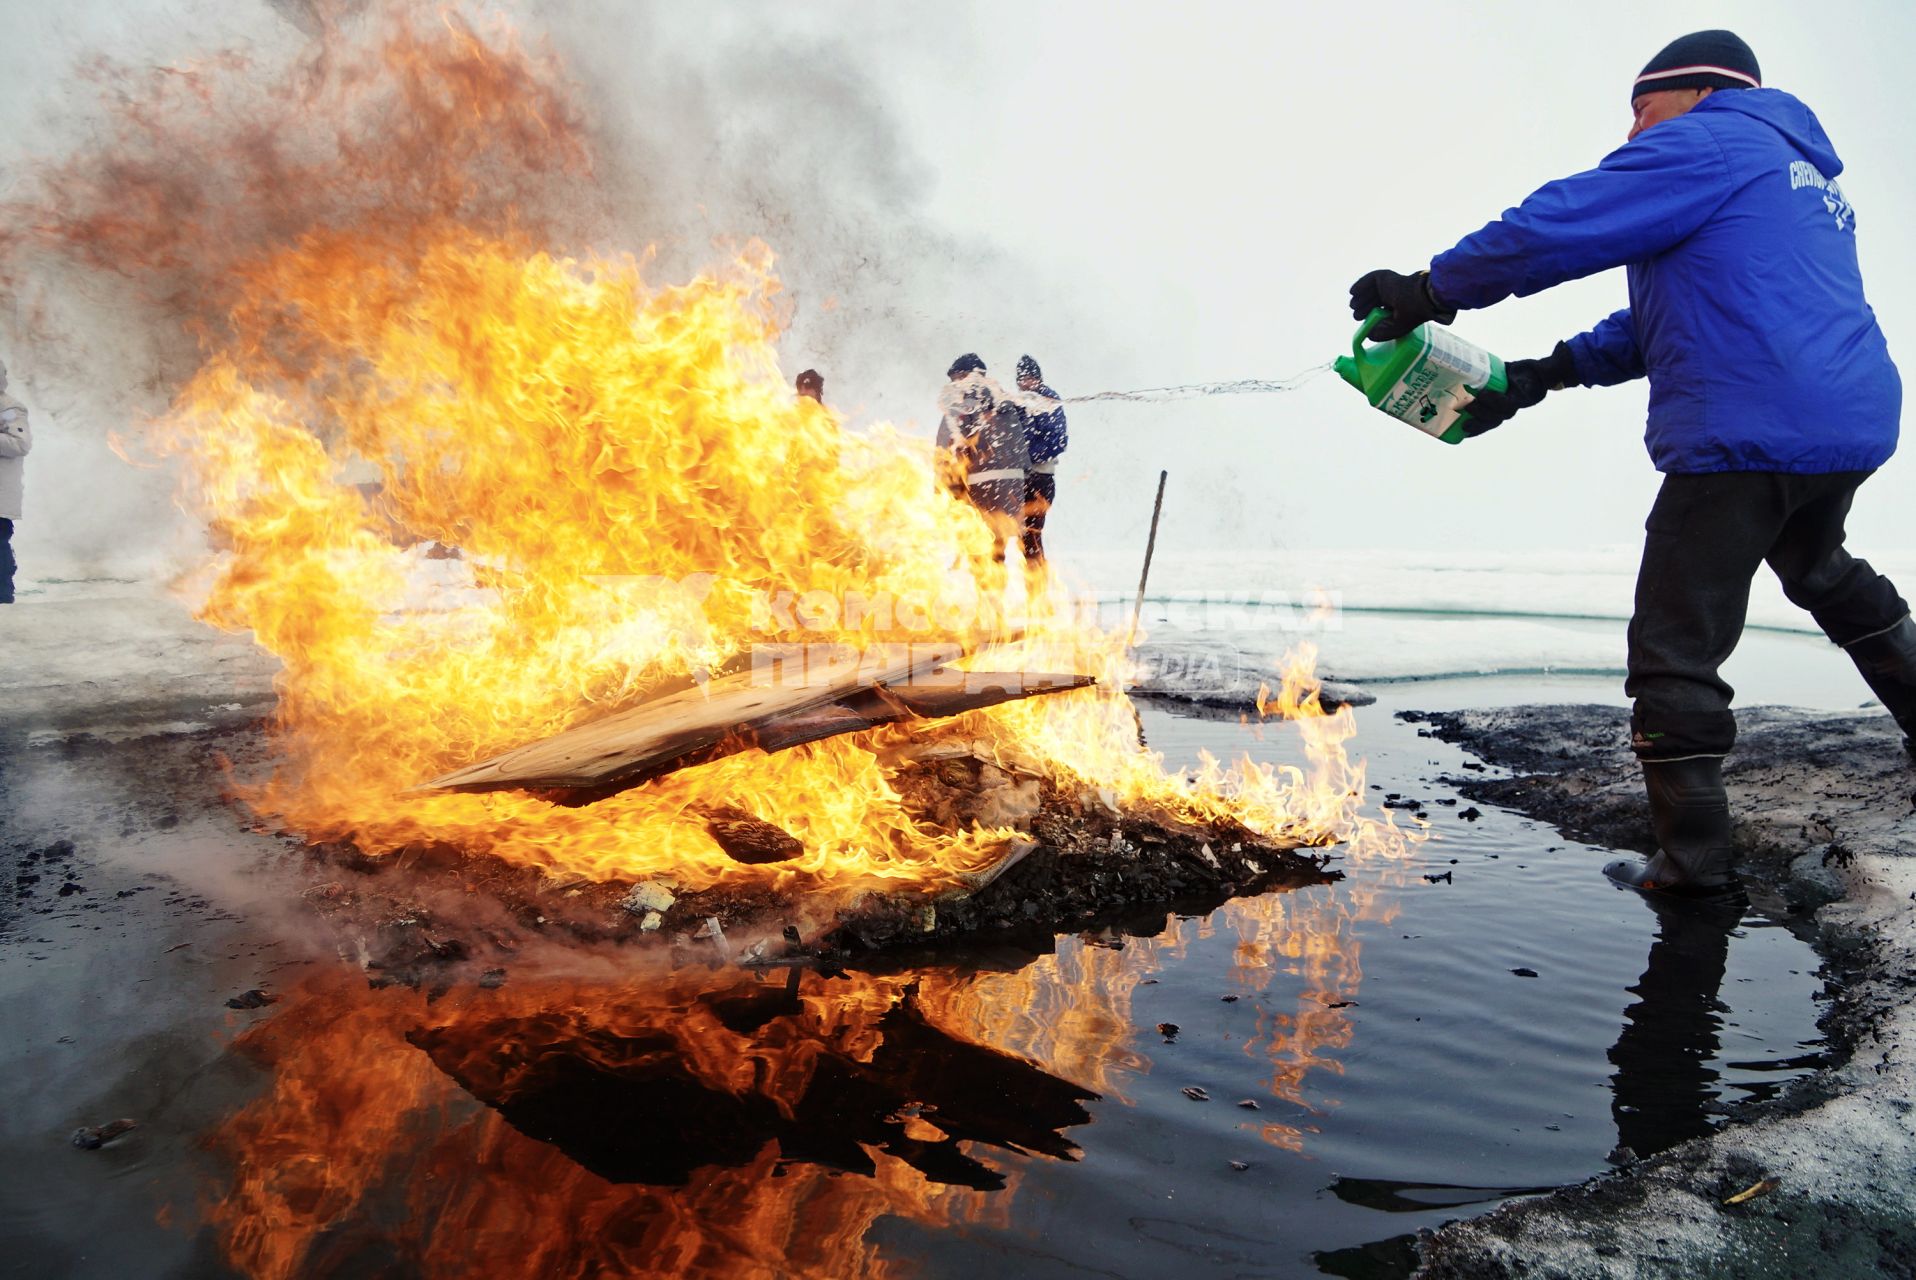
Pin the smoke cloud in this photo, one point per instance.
(144, 185)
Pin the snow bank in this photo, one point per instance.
(119, 657)
(1216, 628)
(1597, 583)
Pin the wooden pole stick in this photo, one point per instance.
(1151, 545)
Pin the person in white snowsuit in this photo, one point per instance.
(16, 441)
(982, 455)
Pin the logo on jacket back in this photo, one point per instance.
(1805, 174)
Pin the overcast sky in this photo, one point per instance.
(1146, 194)
(1209, 178)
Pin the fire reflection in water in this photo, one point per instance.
(706, 1121)
(687, 1123)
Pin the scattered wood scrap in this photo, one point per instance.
(1754, 1190)
(749, 838)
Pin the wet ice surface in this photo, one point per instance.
(1404, 1074)
(1453, 1081)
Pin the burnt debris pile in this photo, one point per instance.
(435, 913)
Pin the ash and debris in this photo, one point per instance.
(93, 1137)
(1821, 1181)
(435, 914)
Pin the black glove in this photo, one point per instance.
(1408, 299)
(1526, 382)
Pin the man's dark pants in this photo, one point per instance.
(6, 561)
(1041, 489)
(1705, 539)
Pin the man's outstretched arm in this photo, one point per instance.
(1644, 198)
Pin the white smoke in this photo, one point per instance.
(710, 127)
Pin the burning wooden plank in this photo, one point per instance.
(627, 747)
(740, 711)
(927, 697)
(950, 693)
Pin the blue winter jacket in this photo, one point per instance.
(1746, 303)
(1044, 425)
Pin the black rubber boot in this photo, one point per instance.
(1887, 661)
(1690, 813)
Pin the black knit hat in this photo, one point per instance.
(1028, 368)
(1701, 60)
(965, 364)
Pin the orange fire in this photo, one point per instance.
(635, 498)
(633, 491)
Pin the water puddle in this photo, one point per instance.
(1288, 1086)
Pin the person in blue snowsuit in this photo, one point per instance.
(1045, 440)
(1772, 398)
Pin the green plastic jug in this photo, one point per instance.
(1425, 378)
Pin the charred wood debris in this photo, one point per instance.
(432, 912)
(435, 914)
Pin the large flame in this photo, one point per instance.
(635, 497)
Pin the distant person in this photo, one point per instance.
(1772, 398)
(1045, 441)
(811, 386)
(16, 441)
(981, 448)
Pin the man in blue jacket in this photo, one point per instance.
(1045, 439)
(1772, 397)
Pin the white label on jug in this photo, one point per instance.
(1432, 391)
(1468, 363)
